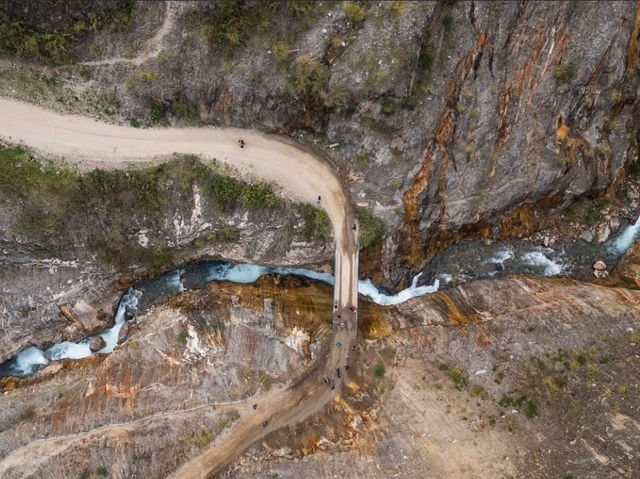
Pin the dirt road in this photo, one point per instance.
(301, 174)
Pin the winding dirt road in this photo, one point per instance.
(301, 173)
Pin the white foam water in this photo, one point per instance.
(26, 360)
(31, 359)
(367, 288)
(539, 260)
(623, 242)
(500, 257)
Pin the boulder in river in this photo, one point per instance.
(97, 343)
(602, 234)
(600, 265)
(587, 235)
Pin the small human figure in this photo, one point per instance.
(241, 143)
(319, 199)
(255, 406)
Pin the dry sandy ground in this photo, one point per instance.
(306, 176)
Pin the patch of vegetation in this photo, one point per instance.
(397, 8)
(102, 471)
(147, 76)
(479, 391)
(370, 228)
(530, 409)
(281, 50)
(388, 107)
(458, 376)
(362, 160)
(203, 437)
(182, 336)
(447, 21)
(379, 370)
(183, 110)
(264, 378)
(157, 113)
(258, 196)
(230, 234)
(316, 222)
(311, 77)
(223, 190)
(564, 74)
(71, 207)
(355, 13)
(229, 24)
(50, 33)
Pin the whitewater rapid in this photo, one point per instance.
(544, 260)
(31, 359)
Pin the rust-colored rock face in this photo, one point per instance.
(543, 112)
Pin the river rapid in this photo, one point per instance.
(449, 268)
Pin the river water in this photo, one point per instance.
(448, 268)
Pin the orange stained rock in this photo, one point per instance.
(454, 315)
(562, 130)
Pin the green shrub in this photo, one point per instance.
(458, 376)
(388, 107)
(157, 113)
(102, 471)
(564, 74)
(230, 234)
(149, 76)
(355, 13)
(397, 8)
(379, 370)
(362, 160)
(264, 378)
(312, 76)
(447, 21)
(258, 196)
(203, 437)
(317, 225)
(224, 190)
(479, 391)
(183, 110)
(530, 409)
(182, 336)
(281, 50)
(230, 23)
(369, 228)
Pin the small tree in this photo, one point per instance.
(379, 370)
